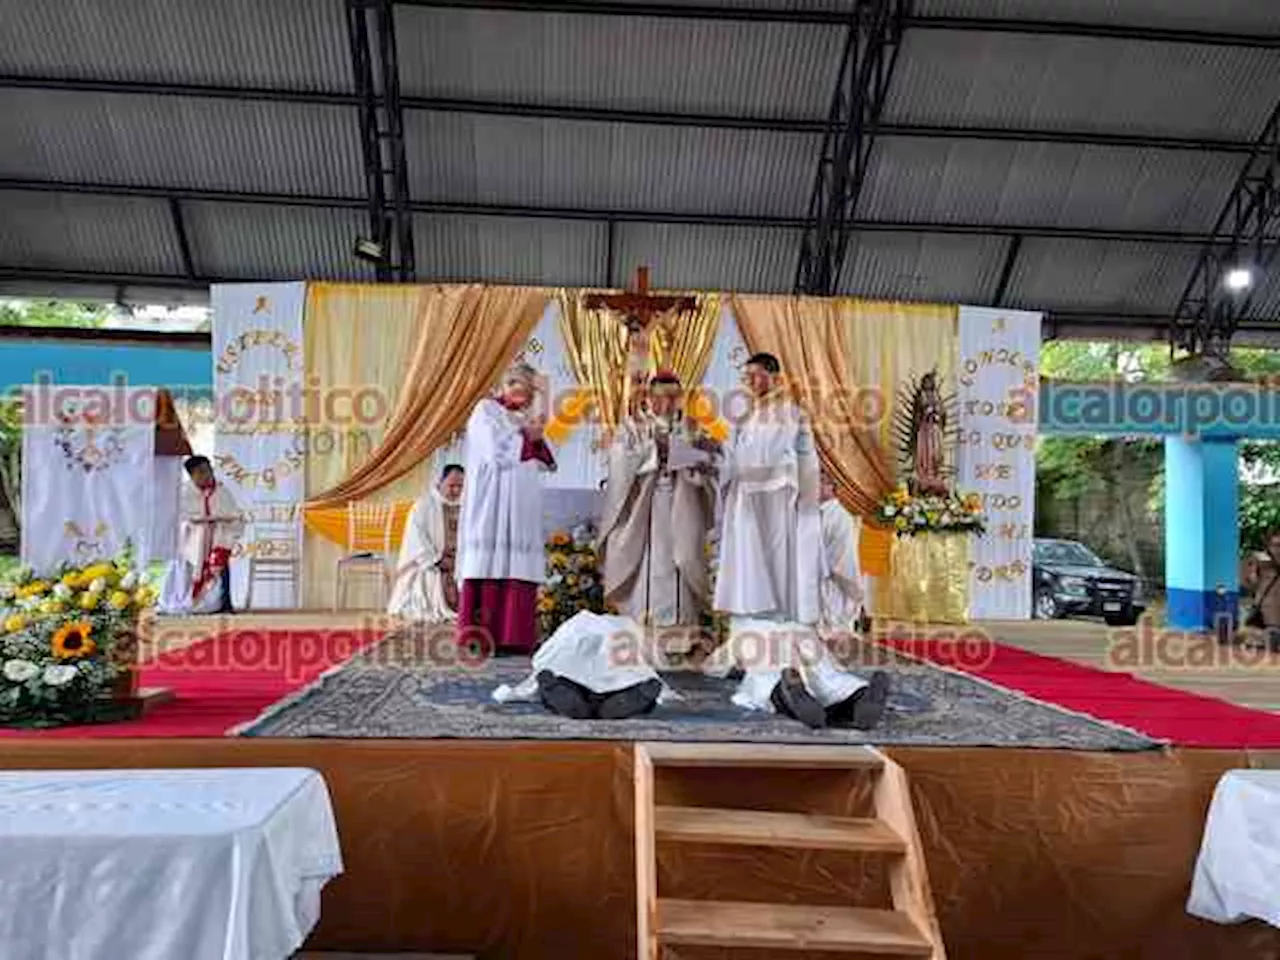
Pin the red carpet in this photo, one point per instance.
(1186, 719)
(227, 680)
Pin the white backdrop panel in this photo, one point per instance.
(997, 382)
(259, 377)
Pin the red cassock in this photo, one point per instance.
(500, 616)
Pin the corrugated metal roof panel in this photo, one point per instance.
(1046, 185)
(928, 268)
(102, 234)
(709, 258)
(1100, 276)
(485, 159)
(255, 242)
(509, 250)
(699, 65)
(1071, 83)
(1266, 302)
(1232, 16)
(290, 43)
(180, 142)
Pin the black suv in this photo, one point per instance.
(1069, 579)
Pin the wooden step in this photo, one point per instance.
(782, 756)
(765, 926)
(760, 828)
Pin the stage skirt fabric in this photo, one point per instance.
(500, 615)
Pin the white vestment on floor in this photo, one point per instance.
(602, 653)
(500, 530)
(762, 649)
(418, 593)
(843, 589)
(770, 541)
(196, 541)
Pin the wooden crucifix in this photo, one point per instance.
(639, 309)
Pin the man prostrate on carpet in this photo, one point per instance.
(659, 505)
(211, 523)
(502, 556)
(426, 583)
(771, 561)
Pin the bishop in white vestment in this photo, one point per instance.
(210, 525)
(770, 543)
(842, 589)
(501, 550)
(659, 506)
(426, 585)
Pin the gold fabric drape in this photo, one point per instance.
(598, 350)
(466, 336)
(929, 582)
(811, 339)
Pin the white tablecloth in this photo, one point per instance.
(162, 864)
(1237, 875)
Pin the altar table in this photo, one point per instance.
(163, 864)
(1237, 875)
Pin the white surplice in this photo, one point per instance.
(196, 541)
(418, 593)
(770, 542)
(762, 649)
(603, 653)
(843, 590)
(500, 530)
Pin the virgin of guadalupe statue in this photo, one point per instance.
(929, 425)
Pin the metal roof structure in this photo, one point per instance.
(1065, 155)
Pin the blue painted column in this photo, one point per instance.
(1202, 531)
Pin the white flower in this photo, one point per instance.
(59, 675)
(555, 580)
(129, 581)
(20, 671)
(890, 511)
(98, 585)
(7, 591)
(62, 591)
(28, 603)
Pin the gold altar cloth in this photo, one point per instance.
(929, 580)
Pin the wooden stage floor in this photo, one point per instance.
(1188, 662)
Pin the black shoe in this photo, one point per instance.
(631, 702)
(563, 697)
(798, 701)
(869, 703)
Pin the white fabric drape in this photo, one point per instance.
(88, 473)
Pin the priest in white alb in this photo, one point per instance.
(425, 589)
(210, 525)
(659, 506)
(842, 590)
(501, 549)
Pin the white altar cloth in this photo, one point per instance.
(162, 864)
(1237, 875)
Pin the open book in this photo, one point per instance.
(682, 455)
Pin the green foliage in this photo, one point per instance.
(53, 313)
(1259, 514)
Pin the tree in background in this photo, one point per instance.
(1111, 470)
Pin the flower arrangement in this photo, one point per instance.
(67, 639)
(908, 514)
(573, 579)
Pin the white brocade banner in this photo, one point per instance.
(88, 474)
(259, 380)
(996, 384)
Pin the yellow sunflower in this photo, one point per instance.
(74, 640)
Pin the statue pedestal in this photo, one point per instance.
(928, 580)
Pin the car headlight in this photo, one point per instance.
(1074, 584)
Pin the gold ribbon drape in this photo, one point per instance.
(598, 352)
(930, 582)
(466, 337)
(810, 338)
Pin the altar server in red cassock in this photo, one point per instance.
(501, 543)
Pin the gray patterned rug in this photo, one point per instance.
(386, 693)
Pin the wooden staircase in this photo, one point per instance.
(909, 929)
